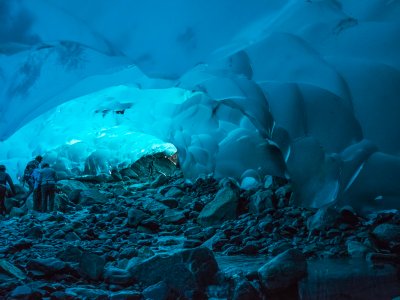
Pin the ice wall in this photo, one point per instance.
(302, 89)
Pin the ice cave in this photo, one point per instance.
(201, 149)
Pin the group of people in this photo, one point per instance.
(41, 181)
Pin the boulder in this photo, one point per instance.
(118, 276)
(325, 218)
(9, 203)
(87, 293)
(67, 186)
(91, 265)
(223, 207)
(25, 292)
(283, 271)
(92, 197)
(136, 216)
(17, 212)
(185, 272)
(261, 200)
(48, 266)
(387, 234)
(357, 249)
(9, 268)
(158, 291)
(244, 290)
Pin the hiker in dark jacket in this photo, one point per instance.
(48, 181)
(27, 177)
(4, 179)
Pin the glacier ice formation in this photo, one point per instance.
(307, 90)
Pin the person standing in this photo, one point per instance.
(37, 192)
(4, 179)
(48, 179)
(27, 177)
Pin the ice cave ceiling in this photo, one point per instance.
(308, 90)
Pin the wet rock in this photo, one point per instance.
(9, 268)
(17, 212)
(325, 218)
(283, 195)
(158, 291)
(91, 265)
(357, 249)
(25, 292)
(348, 215)
(223, 207)
(20, 245)
(387, 234)
(35, 232)
(174, 192)
(126, 295)
(49, 266)
(170, 202)
(87, 293)
(260, 201)
(283, 271)
(10, 203)
(91, 197)
(186, 271)
(244, 290)
(70, 254)
(136, 216)
(117, 276)
(172, 216)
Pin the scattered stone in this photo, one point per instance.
(387, 234)
(283, 271)
(325, 218)
(222, 208)
(11, 269)
(92, 265)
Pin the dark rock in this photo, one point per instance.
(172, 216)
(117, 276)
(170, 202)
(11, 269)
(49, 266)
(20, 245)
(283, 271)
(87, 293)
(74, 196)
(387, 234)
(261, 200)
(25, 292)
(348, 215)
(357, 249)
(191, 243)
(92, 197)
(324, 218)
(174, 192)
(10, 203)
(244, 290)
(70, 254)
(126, 295)
(35, 232)
(92, 265)
(136, 216)
(222, 208)
(17, 212)
(158, 291)
(186, 271)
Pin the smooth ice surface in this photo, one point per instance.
(307, 90)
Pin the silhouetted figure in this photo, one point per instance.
(37, 191)
(48, 181)
(4, 179)
(27, 178)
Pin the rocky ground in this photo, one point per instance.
(136, 235)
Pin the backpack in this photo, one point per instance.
(32, 165)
